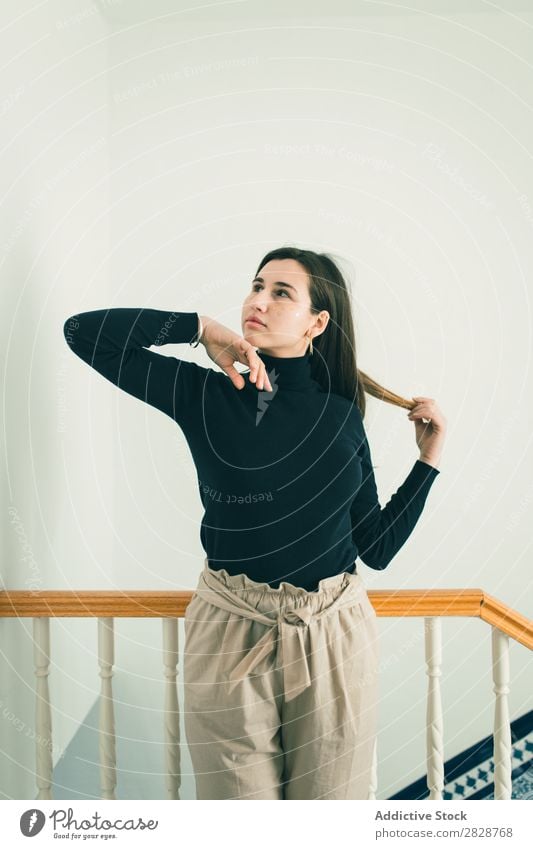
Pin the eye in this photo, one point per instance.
(255, 285)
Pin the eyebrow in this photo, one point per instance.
(278, 283)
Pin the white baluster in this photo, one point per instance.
(106, 659)
(434, 735)
(171, 716)
(503, 786)
(43, 717)
(373, 786)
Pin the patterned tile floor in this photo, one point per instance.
(478, 782)
(470, 775)
(522, 786)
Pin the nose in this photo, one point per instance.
(258, 298)
(258, 306)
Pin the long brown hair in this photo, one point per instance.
(334, 360)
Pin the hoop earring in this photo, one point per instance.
(310, 348)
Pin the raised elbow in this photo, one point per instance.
(377, 563)
(375, 555)
(69, 329)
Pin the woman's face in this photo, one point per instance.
(279, 298)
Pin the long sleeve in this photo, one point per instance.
(114, 342)
(380, 533)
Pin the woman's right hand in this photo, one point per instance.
(226, 347)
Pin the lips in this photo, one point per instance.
(255, 321)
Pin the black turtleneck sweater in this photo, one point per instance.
(285, 477)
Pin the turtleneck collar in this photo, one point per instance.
(289, 372)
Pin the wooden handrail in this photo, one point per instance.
(160, 603)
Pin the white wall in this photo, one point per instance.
(398, 141)
(54, 172)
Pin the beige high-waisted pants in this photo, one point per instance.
(280, 688)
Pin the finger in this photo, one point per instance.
(263, 378)
(235, 376)
(260, 373)
(253, 361)
(255, 369)
(267, 381)
(421, 406)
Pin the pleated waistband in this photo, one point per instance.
(286, 610)
(242, 583)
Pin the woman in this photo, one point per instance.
(281, 651)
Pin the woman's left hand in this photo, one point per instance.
(430, 427)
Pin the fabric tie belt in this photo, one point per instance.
(288, 626)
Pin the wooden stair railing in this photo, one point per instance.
(169, 606)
